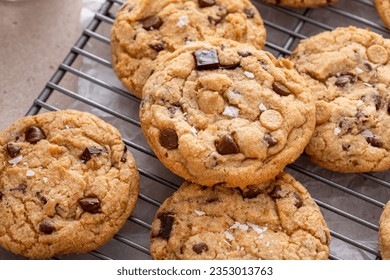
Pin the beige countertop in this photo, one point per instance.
(35, 37)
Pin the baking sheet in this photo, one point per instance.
(122, 112)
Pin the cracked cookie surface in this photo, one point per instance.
(384, 233)
(276, 220)
(383, 7)
(348, 70)
(145, 29)
(224, 112)
(301, 3)
(67, 184)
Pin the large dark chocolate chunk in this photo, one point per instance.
(89, 151)
(151, 23)
(200, 248)
(34, 134)
(344, 79)
(280, 89)
(168, 139)
(276, 192)
(206, 59)
(250, 192)
(13, 150)
(166, 223)
(375, 142)
(20, 188)
(250, 13)
(206, 3)
(299, 202)
(46, 227)
(90, 204)
(271, 141)
(226, 145)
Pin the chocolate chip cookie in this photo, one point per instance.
(67, 184)
(384, 233)
(301, 3)
(145, 29)
(225, 112)
(348, 70)
(383, 7)
(276, 220)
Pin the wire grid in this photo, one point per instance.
(354, 230)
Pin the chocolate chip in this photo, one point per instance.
(60, 211)
(230, 66)
(299, 202)
(212, 199)
(200, 248)
(250, 192)
(1, 195)
(271, 141)
(250, 13)
(21, 188)
(13, 150)
(275, 193)
(280, 89)
(368, 66)
(157, 47)
(388, 108)
(344, 79)
(206, 59)
(168, 139)
(377, 101)
(226, 145)
(244, 53)
(124, 155)
(375, 142)
(151, 23)
(215, 21)
(345, 147)
(89, 151)
(206, 3)
(166, 222)
(41, 198)
(90, 204)
(46, 227)
(34, 134)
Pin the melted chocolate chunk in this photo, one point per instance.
(275, 193)
(368, 66)
(90, 204)
(299, 202)
(344, 79)
(1, 195)
(46, 227)
(206, 3)
(157, 47)
(34, 134)
(206, 59)
(89, 151)
(168, 139)
(13, 150)
(200, 248)
(250, 192)
(271, 141)
(244, 53)
(124, 155)
(388, 108)
(151, 23)
(280, 89)
(226, 145)
(250, 13)
(21, 188)
(166, 223)
(375, 142)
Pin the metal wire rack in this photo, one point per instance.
(351, 204)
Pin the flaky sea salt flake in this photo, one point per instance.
(30, 173)
(367, 134)
(358, 70)
(250, 75)
(257, 229)
(229, 235)
(45, 179)
(183, 21)
(336, 131)
(16, 160)
(262, 107)
(199, 213)
(231, 111)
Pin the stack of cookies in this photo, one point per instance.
(227, 117)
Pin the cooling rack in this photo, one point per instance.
(351, 204)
